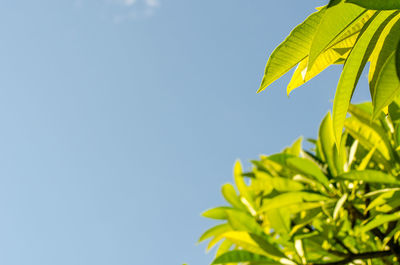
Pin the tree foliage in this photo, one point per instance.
(344, 32)
(339, 201)
(321, 206)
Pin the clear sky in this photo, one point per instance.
(120, 121)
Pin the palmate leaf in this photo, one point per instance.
(377, 4)
(353, 68)
(292, 50)
(237, 256)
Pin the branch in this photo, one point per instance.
(394, 248)
(366, 255)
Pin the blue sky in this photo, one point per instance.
(120, 121)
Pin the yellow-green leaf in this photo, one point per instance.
(352, 70)
(292, 50)
(379, 220)
(377, 4)
(370, 176)
(336, 20)
(327, 141)
(215, 231)
(239, 256)
(387, 85)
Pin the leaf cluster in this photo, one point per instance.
(350, 33)
(325, 205)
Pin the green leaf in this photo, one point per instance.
(388, 85)
(398, 59)
(327, 141)
(246, 197)
(370, 176)
(224, 247)
(381, 199)
(335, 21)
(352, 70)
(383, 48)
(237, 256)
(218, 213)
(229, 193)
(279, 220)
(241, 221)
(339, 206)
(379, 220)
(267, 247)
(286, 199)
(368, 137)
(309, 168)
(335, 53)
(215, 231)
(377, 4)
(247, 242)
(292, 50)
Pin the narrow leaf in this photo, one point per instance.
(380, 220)
(229, 193)
(377, 4)
(339, 205)
(352, 70)
(217, 213)
(292, 50)
(371, 176)
(215, 231)
(238, 256)
(336, 20)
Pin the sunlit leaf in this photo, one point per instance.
(383, 48)
(292, 50)
(377, 4)
(352, 70)
(217, 213)
(215, 231)
(339, 205)
(327, 141)
(241, 221)
(371, 176)
(388, 85)
(334, 22)
(229, 193)
(286, 199)
(241, 256)
(379, 220)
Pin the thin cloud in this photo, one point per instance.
(122, 10)
(129, 2)
(152, 3)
